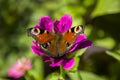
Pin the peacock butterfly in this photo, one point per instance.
(55, 44)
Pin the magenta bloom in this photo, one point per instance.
(59, 26)
(19, 68)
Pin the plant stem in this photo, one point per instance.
(79, 76)
(62, 73)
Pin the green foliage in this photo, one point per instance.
(114, 55)
(85, 76)
(102, 26)
(105, 7)
(53, 76)
(77, 53)
(36, 73)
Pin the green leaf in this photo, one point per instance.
(4, 79)
(104, 7)
(28, 76)
(74, 75)
(85, 76)
(37, 70)
(107, 42)
(90, 76)
(77, 53)
(53, 76)
(114, 55)
(80, 52)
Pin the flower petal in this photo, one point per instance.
(83, 44)
(56, 62)
(35, 43)
(68, 63)
(14, 73)
(80, 38)
(73, 48)
(28, 63)
(47, 59)
(37, 26)
(64, 24)
(18, 69)
(46, 23)
(56, 28)
(37, 50)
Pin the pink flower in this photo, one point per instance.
(19, 68)
(61, 26)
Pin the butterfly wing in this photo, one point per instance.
(72, 34)
(68, 38)
(46, 40)
(55, 44)
(41, 36)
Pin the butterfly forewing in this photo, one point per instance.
(41, 36)
(45, 37)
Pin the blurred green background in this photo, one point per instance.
(101, 19)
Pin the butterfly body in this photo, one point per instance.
(55, 44)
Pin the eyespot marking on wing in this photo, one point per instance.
(45, 45)
(78, 29)
(35, 31)
(67, 44)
